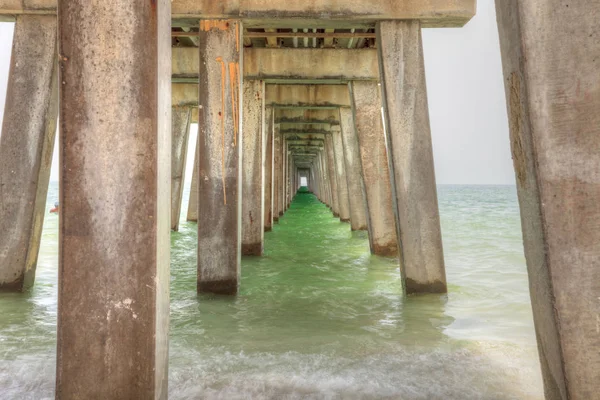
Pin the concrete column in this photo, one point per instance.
(340, 171)
(331, 174)
(325, 178)
(219, 153)
(253, 169)
(366, 106)
(354, 177)
(268, 168)
(277, 172)
(551, 62)
(180, 130)
(26, 146)
(406, 122)
(286, 164)
(115, 197)
(192, 213)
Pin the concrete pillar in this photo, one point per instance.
(340, 171)
(551, 62)
(219, 156)
(331, 174)
(192, 213)
(277, 171)
(356, 190)
(325, 178)
(268, 147)
(26, 146)
(115, 184)
(286, 167)
(180, 130)
(366, 106)
(406, 122)
(253, 168)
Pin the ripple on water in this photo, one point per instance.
(318, 317)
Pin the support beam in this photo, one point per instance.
(180, 131)
(406, 122)
(310, 65)
(340, 171)
(288, 65)
(433, 13)
(115, 183)
(366, 98)
(354, 177)
(268, 182)
(253, 195)
(551, 59)
(219, 153)
(26, 146)
(307, 116)
(307, 96)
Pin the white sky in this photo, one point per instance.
(466, 101)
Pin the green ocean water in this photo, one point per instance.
(318, 317)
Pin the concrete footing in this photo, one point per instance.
(406, 122)
(26, 146)
(115, 136)
(553, 97)
(253, 169)
(219, 153)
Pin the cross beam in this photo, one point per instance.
(279, 14)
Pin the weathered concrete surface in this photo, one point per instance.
(313, 13)
(551, 62)
(180, 130)
(374, 162)
(285, 184)
(184, 94)
(310, 116)
(253, 195)
(280, 65)
(356, 190)
(268, 183)
(307, 95)
(289, 65)
(340, 171)
(332, 175)
(115, 119)
(192, 213)
(219, 150)
(277, 172)
(406, 122)
(26, 146)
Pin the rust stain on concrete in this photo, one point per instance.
(209, 24)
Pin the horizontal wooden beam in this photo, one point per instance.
(302, 14)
